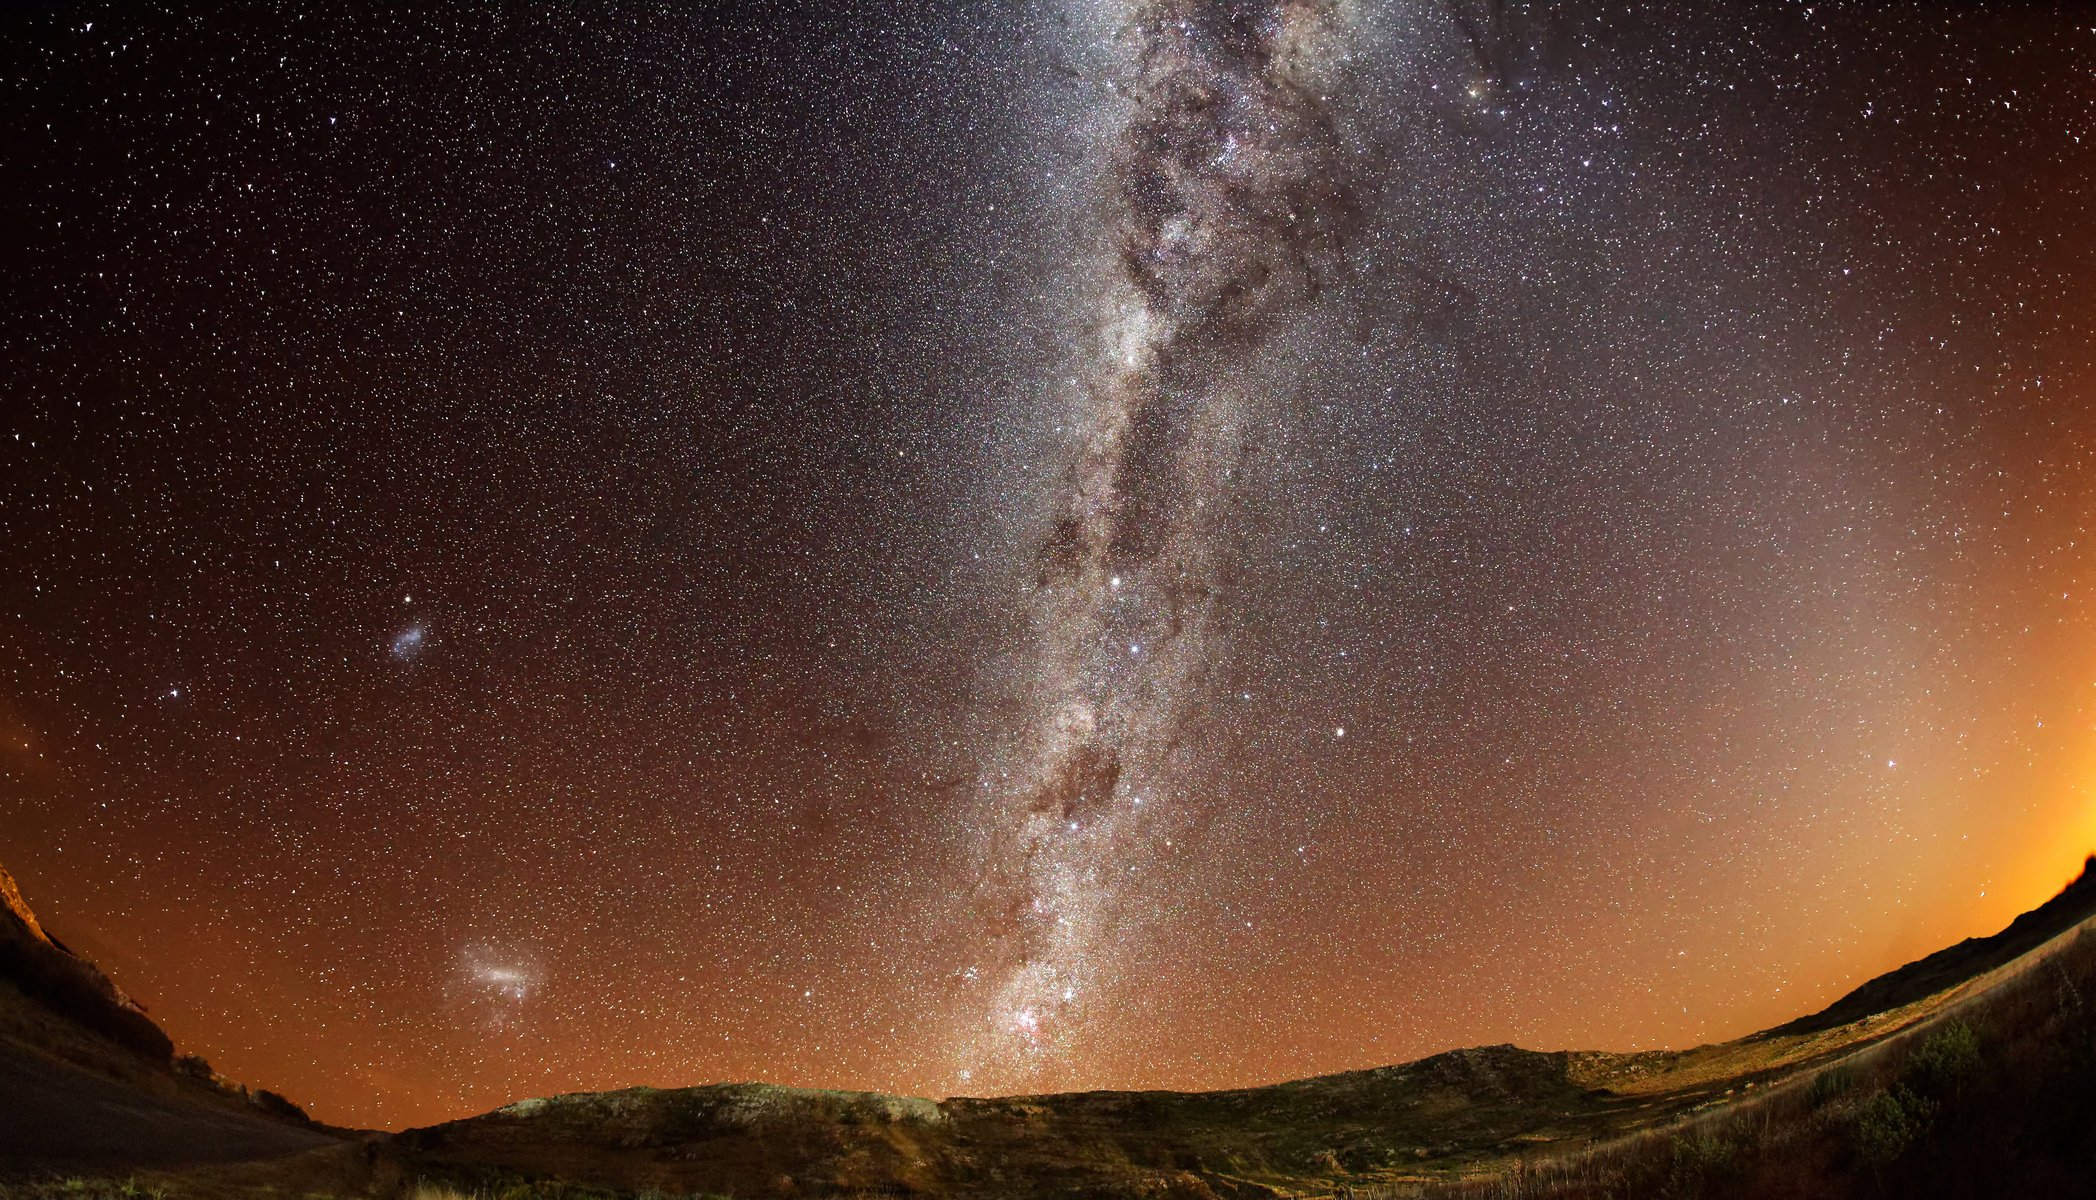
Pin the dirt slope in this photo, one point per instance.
(88, 1081)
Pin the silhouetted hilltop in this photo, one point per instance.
(88, 1081)
(1954, 965)
(49, 973)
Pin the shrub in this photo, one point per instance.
(1887, 1123)
(1699, 1158)
(1949, 1057)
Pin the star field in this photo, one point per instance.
(958, 549)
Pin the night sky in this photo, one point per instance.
(973, 548)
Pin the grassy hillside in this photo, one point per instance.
(1954, 965)
(1982, 1085)
(1994, 1096)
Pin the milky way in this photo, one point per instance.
(1225, 210)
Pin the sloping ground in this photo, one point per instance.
(1967, 960)
(59, 1117)
(1490, 1121)
(1436, 1120)
(1992, 1095)
(89, 1082)
(761, 1140)
(1983, 1087)
(49, 973)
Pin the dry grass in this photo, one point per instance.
(192, 1187)
(1986, 1090)
(1995, 1096)
(423, 1189)
(84, 1188)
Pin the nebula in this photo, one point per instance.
(1225, 208)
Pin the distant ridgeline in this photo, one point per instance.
(1954, 965)
(52, 975)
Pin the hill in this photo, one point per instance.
(1954, 965)
(1970, 1073)
(89, 1082)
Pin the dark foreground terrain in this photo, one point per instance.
(1971, 1073)
(89, 1083)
